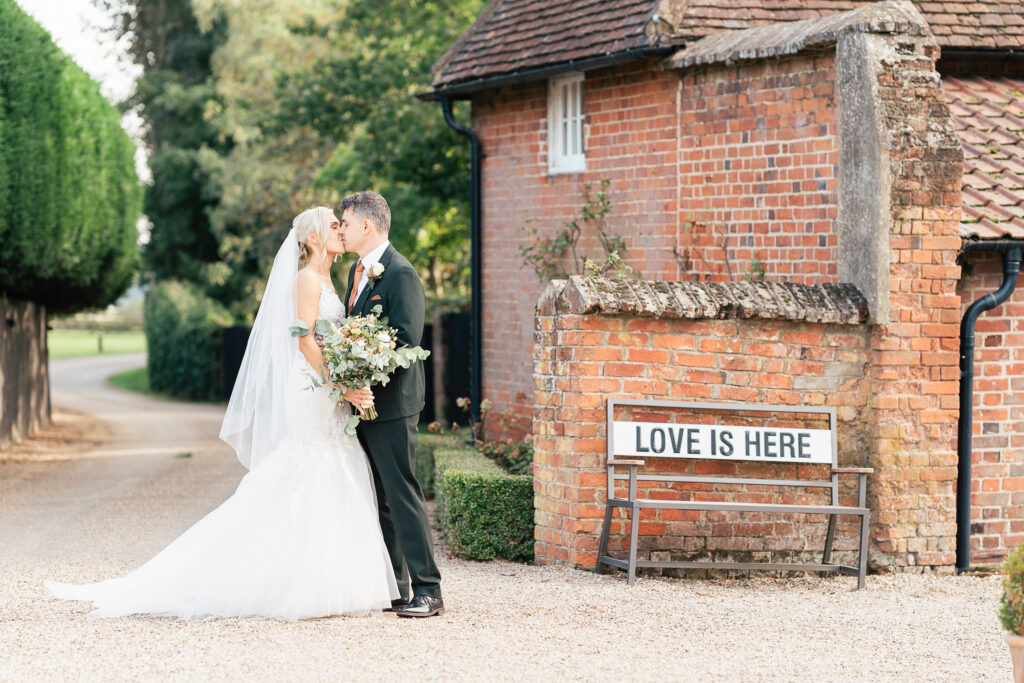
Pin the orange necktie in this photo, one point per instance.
(355, 285)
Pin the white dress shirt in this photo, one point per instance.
(368, 260)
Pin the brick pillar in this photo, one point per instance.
(914, 347)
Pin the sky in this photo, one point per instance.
(77, 27)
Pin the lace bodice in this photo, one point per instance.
(330, 307)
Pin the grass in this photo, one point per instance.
(136, 380)
(77, 343)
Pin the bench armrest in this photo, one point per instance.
(621, 461)
(854, 470)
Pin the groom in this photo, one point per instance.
(384, 277)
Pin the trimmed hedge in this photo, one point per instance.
(426, 445)
(483, 511)
(69, 194)
(183, 336)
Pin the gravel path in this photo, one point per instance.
(114, 505)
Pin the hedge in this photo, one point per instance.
(183, 338)
(426, 445)
(69, 194)
(483, 511)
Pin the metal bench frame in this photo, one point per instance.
(635, 504)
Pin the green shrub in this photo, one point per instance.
(426, 444)
(515, 457)
(1011, 613)
(183, 336)
(69, 194)
(483, 511)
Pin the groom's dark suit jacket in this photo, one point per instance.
(399, 293)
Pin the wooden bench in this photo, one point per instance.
(632, 444)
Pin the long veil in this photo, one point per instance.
(258, 413)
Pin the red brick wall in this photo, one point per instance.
(905, 402)
(997, 465)
(583, 360)
(745, 151)
(757, 170)
(630, 134)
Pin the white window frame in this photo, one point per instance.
(566, 152)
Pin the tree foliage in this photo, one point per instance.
(361, 95)
(257, 110)
(173, 96)
(69, 194)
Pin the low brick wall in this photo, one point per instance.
(732, 342)
(24, 380)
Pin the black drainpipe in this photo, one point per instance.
(476, 155)
(1011, 252)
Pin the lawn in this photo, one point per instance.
(132, 380)
(74, 343)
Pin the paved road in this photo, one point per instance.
(109, 509)
(55, 510)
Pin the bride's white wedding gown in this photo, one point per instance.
(300, 537)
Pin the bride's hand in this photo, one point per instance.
(361, 399)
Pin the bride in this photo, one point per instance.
(300, 537)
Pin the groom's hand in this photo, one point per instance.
(360, 398)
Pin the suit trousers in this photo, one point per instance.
(391, 447)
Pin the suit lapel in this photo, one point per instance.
(385, 260)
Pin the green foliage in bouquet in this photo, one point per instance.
(1011, 613)
(483, 512)
(361, 352)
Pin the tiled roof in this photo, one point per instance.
(979, 24)
(775, 40)
(989, 115)
(517, 35)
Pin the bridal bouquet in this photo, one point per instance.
(361, 352)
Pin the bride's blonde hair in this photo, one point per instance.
(315, 221)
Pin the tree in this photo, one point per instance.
(362, 95)
(173, 95)
(69, 194)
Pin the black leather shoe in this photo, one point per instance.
(395, 604)
(422, 606)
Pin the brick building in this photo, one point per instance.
(872, 144)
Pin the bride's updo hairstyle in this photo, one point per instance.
(315, 221)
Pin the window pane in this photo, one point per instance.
(572, 116)
(566, 129)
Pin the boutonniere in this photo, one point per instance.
(374, 273)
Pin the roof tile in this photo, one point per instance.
(517, 35)
(989, 115)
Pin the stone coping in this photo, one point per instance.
(824, 303)
(776, 40)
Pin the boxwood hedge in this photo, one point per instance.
(483, 511)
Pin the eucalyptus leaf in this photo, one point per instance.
(299, 328)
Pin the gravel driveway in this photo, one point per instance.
(112, 506)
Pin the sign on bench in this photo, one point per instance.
(712, 442)
(632, 444)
